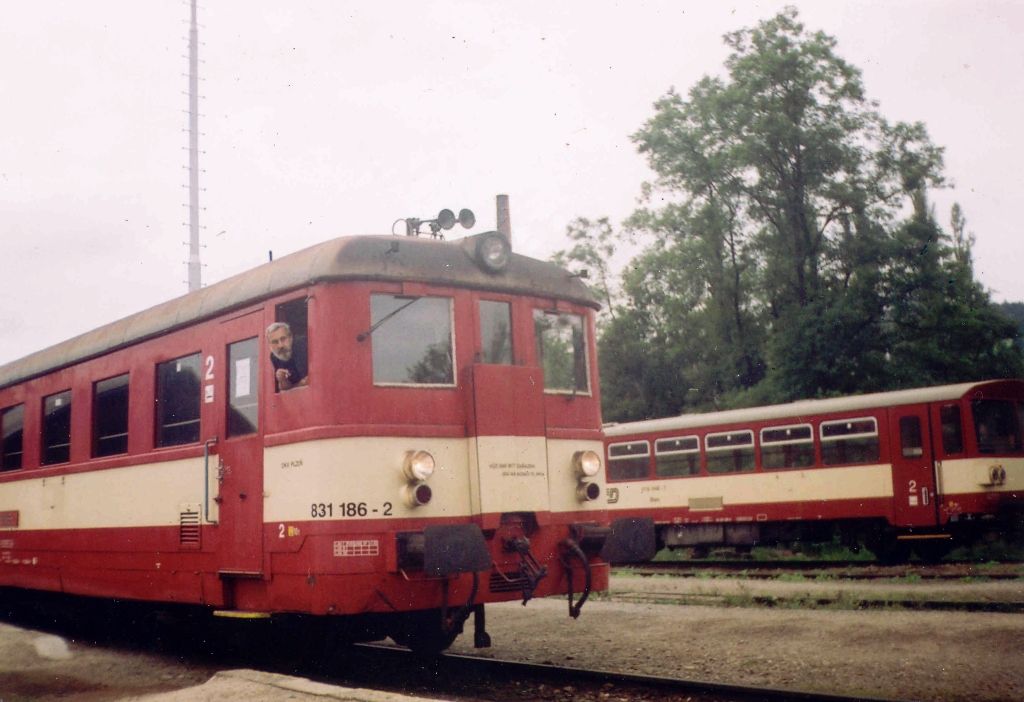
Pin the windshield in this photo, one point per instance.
(412, 343)
(997, 425)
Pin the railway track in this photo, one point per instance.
(849, 570)
(481, 678)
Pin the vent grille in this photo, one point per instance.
(511, 581)
(188, 527)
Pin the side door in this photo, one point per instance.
(241, 447)
(913, 467)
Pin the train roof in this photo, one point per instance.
(370, 258)
(803, 409)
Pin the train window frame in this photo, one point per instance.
(693, 468)
(952, 429)
(827, 442)
(745, 452)
(8, 427)
(634, 457)
(998, 441)
(487, 354)
(580, 362)
(243, 408)
(160, 402)
(55, 429)
(295, 314)
(911, 436)
(787, 454)
(379, 345)
(105, 417)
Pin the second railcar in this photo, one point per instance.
(908, 470)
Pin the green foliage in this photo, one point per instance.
(780, 260)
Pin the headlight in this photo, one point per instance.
(586, 463)
(419, 465)
(493, 252)
(588, 492)
(417, 494)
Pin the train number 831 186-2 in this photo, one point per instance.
(327, 510)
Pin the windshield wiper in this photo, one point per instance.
(363, 336)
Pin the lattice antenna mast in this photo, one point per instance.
(195, 281)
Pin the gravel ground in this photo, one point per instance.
(896, 654)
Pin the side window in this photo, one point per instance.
(628, 461)
(787, 447)
(849, 441)
(995, 426)
(677, 456)
(12, 426)
(562, 350)
(412, 340)
(57, 428)
(110, 416)
(910, 437)
(243, 387)
(952, 429)
(495, 332)
(730, 452)
(178, 401)
(288, 339)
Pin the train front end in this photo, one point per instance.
(446, 452)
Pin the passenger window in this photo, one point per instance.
(412, 340)
(910, 437)
(12, 424)
(952, 430)
(110, 416)
(495, 332)
(628, 461)
(562, 350)
(787, 447)
(57, 428)
(243, 386)
(677, 456)
(849, 441)
(730, 452)
(178, 401)
(288, 339)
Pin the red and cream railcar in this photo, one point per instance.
(440, 452)
(918, 468)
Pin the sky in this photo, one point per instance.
(327, 118)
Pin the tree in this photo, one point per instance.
(593, 250)
(780, 263)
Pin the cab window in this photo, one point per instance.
(996, 426)
(412, 340)
(495, 332)
(952, 433)
(288, 339)
(562, 350)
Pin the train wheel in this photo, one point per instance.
(423, 632)
(932, 551)
(889, 550)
